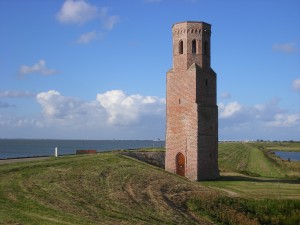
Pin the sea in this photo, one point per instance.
(23, 148)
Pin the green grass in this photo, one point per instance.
(279, 146)
(104, 189)
(253, 159)
(239, 185)
(227, 210)
(109, 188)
(248, 170)
(257, 183)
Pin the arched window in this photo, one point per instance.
(194, 46)
(205, 48)
(180, 47)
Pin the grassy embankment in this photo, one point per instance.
(250, 170)
(110, 188)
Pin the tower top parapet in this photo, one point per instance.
(191, 44)
(191, 22)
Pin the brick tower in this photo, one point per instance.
(192, 113)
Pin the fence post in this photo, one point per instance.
(55, 152)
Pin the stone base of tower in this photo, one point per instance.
(195, 170)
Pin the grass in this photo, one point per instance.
(105, 189)
(279, 146)
(255, 160)
(257, 183)
(248, 170)
(255, 188)
(227, 210)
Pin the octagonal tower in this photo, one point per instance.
(192, 112)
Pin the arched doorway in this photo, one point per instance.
(180, 164)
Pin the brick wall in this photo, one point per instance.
(192, 113)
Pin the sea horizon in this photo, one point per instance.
(20, 148)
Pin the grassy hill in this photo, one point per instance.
(255, 159)
(249, 170)
(110, 188)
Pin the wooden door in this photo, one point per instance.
(180, 164)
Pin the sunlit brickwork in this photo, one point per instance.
(192, 113)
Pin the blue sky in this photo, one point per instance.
(79, 69)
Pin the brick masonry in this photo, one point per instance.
(192, 113)
(78, 152)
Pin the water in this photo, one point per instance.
(18, 148)
(293, 156)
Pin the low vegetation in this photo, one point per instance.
(110, 188)
(258, 184)
(257, 159)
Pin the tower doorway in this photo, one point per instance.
(180, 164)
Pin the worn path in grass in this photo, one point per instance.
(270, 177)
(249, 159)
(98, 189)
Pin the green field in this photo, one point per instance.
(109, 188)
(249, 170)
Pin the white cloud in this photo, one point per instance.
(38, 68)
(125, 109)
(296, 85)
(110, 109)
(260, 121)
(16, 94)
(115, 114)
(229, 110)
(88, 37)
(80, 12)
(286, 47)
(285, 120)
(77, 12)
(65, 110)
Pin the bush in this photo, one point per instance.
(242, 211)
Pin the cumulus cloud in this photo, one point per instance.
(125, 109)
(296, 85)
(229, 110)
(258, 121)
(116, 114)
(66, 111)
(285, 47)
(236, 112)
(80, 12)
(37, 68)
(285, 120)
(77, 12)
(112, 108)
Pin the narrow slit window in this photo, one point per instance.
(206, 82)
(180, 47)
(194, 46)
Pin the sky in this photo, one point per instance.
(96, 69)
